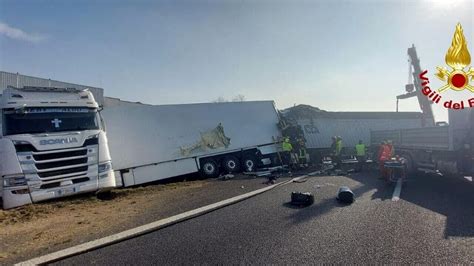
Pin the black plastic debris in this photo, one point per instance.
(302, 198)
(345, 195)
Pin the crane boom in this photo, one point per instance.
(416, 89)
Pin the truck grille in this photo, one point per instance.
(42, 166)
(54, 166)
(50, 156)
(64, 172)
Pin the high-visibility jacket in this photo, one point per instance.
(392, 150)
(385, 152)
(338, 147)
(360, 149)
(286, 146)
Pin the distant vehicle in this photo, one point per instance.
(52, 145)
(444, 148)
(154, 142)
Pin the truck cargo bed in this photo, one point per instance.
(429, 138)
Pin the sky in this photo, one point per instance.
(335, 55)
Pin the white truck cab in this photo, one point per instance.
(52, 144)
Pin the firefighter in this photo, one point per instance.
(287, 149)
(333, 145)
(360, 155)
(302, 153)
(391, 148)
(384, 155)
(336, 147)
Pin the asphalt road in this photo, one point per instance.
(432, 223)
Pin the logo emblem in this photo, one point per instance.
(56, 122)
(58, 141)
(458, 58)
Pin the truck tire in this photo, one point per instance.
(249, 163)
(105, 195)
(231, 164)
(209, 168)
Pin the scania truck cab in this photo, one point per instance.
(52, 144)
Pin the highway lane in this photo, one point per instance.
(431, 223)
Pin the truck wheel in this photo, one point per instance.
(105, 195)
(209, 169)
(249, 164)
(231, 164)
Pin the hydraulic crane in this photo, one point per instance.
(414, 88)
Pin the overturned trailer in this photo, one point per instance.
(318, 126)
(154, 142)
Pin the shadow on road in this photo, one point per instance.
(452, 197)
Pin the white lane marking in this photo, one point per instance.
(469, 178)
(140, 230)
(397, 191)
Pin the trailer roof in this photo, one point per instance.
(369, 115)
(110, 101)
(309, 112)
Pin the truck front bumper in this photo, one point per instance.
(15, 196)
(19, 196)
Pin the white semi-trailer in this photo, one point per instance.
(52, 144)
(153, 142)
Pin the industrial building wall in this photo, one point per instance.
(18, 80)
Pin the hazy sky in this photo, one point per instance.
(336, 55)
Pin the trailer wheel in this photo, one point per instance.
(209, 168)
(231, 164)
(249, 164)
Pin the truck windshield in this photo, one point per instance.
(44, 120)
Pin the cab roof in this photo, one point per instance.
(46, 97)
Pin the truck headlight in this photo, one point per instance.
(20, 142)
(104, 167)
(14, 181)
(93, 136)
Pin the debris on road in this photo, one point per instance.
(265, 171)
(302, 198)
(345, 195)
(227, 176)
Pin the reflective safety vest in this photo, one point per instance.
(385, 153)
(286, 146)
(392, 150)
(360, 149)
(338, 146)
